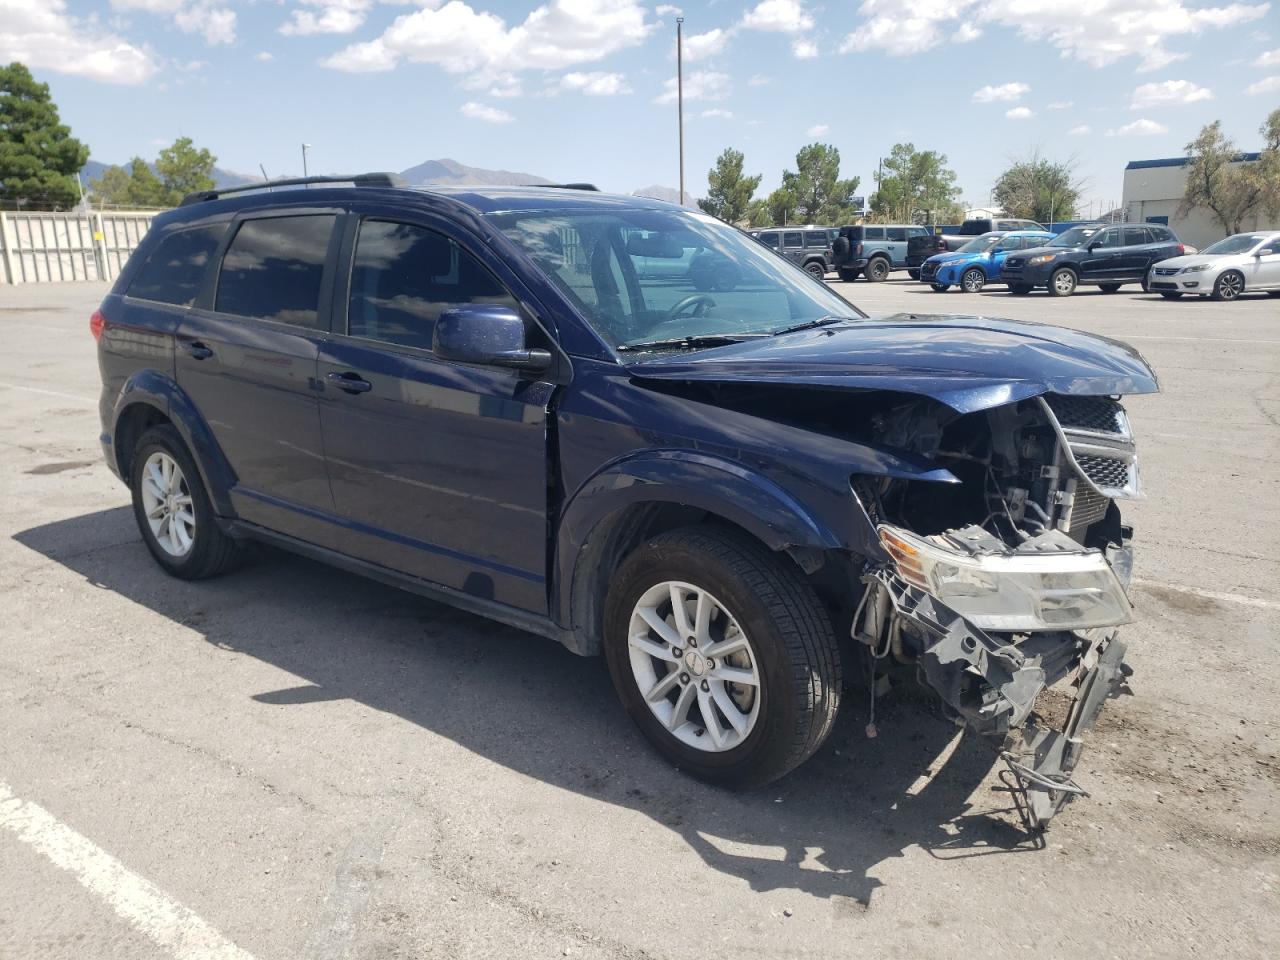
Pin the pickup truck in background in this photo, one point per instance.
(922, 248)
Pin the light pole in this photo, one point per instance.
(680, 97)
(305, 148)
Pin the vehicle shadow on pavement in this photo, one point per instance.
(526, 703)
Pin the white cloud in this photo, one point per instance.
(1005, 91)
(265, 56)
(558, 34)
(1139, 128)
(216, 24)
(1019, 113)
(1098, 32)
(804, 49)
(715, 113)
(42, 35)
(1265, 85)
(759, 80)
(596, 84)
(699, 85)
(666, 9)
(966, 33)
(482, 111)
(1061, 105)
(1080, 130)
(333, 16)
(494, 84)
(817, 130)
(1269, 59)
(150, 6)
(1168, 93)
(702, 45)
(778, 16)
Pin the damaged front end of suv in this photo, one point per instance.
(1012, 579)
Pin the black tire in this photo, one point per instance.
(1063, 282)
(211, 551)
(847, 275)
(1108, 287)
(1020, 289)
(913, 274)
(973, 280)
(1228, 286)
(794, 647)
(939, 287)
(816, 269)
(1171, 294)
(877, 269)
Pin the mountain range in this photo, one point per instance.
(444, 171)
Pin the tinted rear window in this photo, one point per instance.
(874, 233)
(896, 233)
(793, 239)
(273, 267)
(174, 271)
(1135, 236)
(816, 238)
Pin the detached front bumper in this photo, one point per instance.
(992, 677)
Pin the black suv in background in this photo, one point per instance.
(1099, 254)
(920, 249)
(873, 250)
(807, 247)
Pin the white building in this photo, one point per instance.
(1153, 189)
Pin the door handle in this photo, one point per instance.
(350, 382)
(197, 349)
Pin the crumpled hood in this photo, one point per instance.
(968, 363)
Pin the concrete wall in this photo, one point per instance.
(1156, 191)
(57, 247)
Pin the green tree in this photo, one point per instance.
(820, 195)
(1218, 182)
(780, 206)
(915, 185)
(1268, 170)
(137, 186)
(38, 156)
(1036, 188)
(183, 169)
(758, 214)
(729, 193)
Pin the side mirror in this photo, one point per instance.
(1094, 245)
(486, 333)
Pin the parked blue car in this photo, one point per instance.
(978, 262)
(737, 487)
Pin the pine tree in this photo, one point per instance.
(38, 156)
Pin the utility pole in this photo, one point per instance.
(680, 97)
(305, 148)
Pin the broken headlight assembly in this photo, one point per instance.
(1047, 583)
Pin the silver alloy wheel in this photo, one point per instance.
(694, 666)
(1230, 285)
(973, 281)
(166, 500)
(1064, 282)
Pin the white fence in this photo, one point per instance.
(55, 247)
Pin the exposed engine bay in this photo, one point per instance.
(1010, 581)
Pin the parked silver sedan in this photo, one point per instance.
(1242, 262)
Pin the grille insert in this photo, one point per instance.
(1087, 413)
(1105, 471)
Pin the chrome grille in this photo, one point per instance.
(1013, 262)
(1105, 471)
(1166, 271)
(1087, 413)
(1095, 434)
(928, 270)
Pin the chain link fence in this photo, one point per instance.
(38, 247)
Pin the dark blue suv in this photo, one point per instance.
(740, 496)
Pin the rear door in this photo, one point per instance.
(246, 355)
(793, 245)
(438, 468)
(1139, 252)
(896, 244)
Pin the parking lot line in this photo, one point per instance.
(88, 401)
(133, 898)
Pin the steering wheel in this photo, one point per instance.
(699, 302)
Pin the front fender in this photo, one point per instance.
(161, 392)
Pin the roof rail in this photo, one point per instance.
(359, 179)
(573, 186)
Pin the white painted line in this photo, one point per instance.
(135, 899)
(51, 393)
(1211, 594)
(1197, 339)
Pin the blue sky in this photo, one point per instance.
(579, 89)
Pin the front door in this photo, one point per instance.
(247, 358)
(438, 469)
(1102, 261)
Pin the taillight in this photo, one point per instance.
(1182, 249)
(96, 323)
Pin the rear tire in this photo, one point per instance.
(913, 274)
(877, 269)
(973, 280)
(848, 276)
(1228, 286)
(1108, 287)
(758, 730)
(1063, 282)
(1020, 289)
(816, 269)
(172, 508)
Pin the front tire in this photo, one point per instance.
(973, 280)
(723, 655)
(1062, 283)
(913, 274)
(1228, 286)
(172, 508)
(848, 276)
(877, 270)
(1171, 294)
(1020, 289)
(1108, 287)
(939, 287)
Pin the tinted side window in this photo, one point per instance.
(874, 233)
(174, 271)
(816, 238)
(1135, 236)
(1161, 234)
(895, 233)
(793, 239)
(1010, 243)
(405, 276)
(272, 269)
(769, 240)
(918, 232)
(1029, 243)
(1108, 238)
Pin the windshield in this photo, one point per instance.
(1240, 243)
(649, 275)
(1075, 237)
(979, 244)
